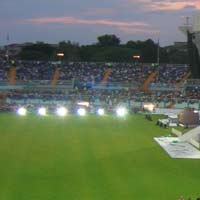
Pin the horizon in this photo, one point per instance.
(76, 42)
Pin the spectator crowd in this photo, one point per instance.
(130, 73)
(93, 72)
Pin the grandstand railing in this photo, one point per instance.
(35, 84)
(88, 84)
(164, 87)
(192, 82)
(130, 103)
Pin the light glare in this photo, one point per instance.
(121, 112)
(81, 112)
(60, 54)
(21, 111)
(42, 111)
(149, 107)
(84, 103)
(101, 111)
(62, 111)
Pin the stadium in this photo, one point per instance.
(99, 130)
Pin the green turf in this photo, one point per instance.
(92, 158)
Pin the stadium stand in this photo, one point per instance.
(77, 81)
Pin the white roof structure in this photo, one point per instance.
(193, 27)
(196, 23)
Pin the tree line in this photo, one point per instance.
(108, 48)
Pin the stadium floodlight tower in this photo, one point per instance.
(192, 31)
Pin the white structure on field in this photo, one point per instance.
(192, 136)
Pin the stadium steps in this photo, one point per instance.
(12, 75)
(106, 75)
(149, 79)
(3, 98)
(182, 81)
(55, 77)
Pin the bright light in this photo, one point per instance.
(121, 112)
(21, 111)
(81, 112)
(149, 107)
(62, 111)
(60, 54)
(42, 111)
(83, 103)
(136, 56)
(100, 111)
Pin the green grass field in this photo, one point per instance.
(92, 158)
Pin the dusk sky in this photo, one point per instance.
(83, 21)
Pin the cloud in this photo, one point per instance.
(72, 20)
(166, 5)
(127, 27)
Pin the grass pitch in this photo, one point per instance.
(92, 158)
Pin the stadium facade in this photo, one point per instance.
(192, 31)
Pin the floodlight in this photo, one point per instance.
(61, 111)
(42, 111)
(100, 111)
(149, 106)
(84, 103)
(21, 111)
(60, 54)
(136, 56)
(121, 112)
(81, 111)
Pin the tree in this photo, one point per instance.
(149, 51)
(38, 51)
(131, 44)
(108, 40)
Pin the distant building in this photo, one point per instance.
(12, 50)
(182, 46)
(179, 46)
